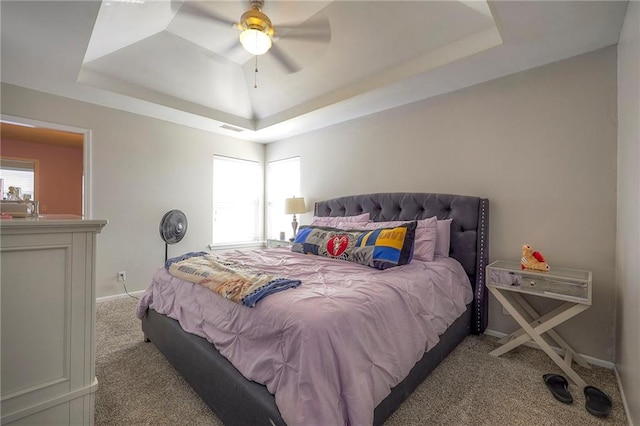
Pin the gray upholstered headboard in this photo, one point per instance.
(469, 229)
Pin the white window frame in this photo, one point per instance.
(247, 194)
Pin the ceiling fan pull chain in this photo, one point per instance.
(255, 75)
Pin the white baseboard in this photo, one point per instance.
(595, 361)
(623, 397)
(119, 296)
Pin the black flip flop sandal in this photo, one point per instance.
(598, 402)
(559, 387)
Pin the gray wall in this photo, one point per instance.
(141, 168)
(540, 144)
(628, 233)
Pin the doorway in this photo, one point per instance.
(61, 155)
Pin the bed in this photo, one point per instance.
(237, 400)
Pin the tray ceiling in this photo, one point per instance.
(159, 59)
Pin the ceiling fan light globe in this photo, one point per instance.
(255, 42)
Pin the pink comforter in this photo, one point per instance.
(331, 349)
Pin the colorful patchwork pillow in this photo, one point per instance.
(425, 243)
(379, 248)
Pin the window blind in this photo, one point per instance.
(237, 189)
(17, 173)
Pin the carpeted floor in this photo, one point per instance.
(138, 386)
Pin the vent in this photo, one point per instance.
(232, 128)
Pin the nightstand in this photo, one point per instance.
(278, 243)
(509, 284)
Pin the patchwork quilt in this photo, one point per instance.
(232, 280)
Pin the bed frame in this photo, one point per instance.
(238, 401)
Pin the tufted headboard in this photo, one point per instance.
(469, 229)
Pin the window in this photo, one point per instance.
(283, 181)
(237, 191)
(19, 174)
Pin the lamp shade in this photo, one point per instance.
(294, 206)
(255, 42)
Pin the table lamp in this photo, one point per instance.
(294, 206)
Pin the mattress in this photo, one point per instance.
(342, 339)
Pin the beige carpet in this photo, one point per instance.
(138, 386)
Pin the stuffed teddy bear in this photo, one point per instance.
(533, 260)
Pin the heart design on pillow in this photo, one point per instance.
(337, 245)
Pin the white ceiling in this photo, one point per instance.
(158, 59)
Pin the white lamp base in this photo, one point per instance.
(294, 226)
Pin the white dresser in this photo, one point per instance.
(48, 314)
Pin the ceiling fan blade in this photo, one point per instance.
(284, 59)
(316, 38)
(200, 10)
(315, 29)
(317, 22)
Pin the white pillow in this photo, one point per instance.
(333, 221)
(443, 231)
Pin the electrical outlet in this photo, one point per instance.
(122, 276)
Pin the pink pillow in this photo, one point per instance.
(443, 231)
(333, 221)
(425, 242)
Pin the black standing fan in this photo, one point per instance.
(173, 226)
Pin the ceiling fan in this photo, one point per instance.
(259, 36)
(256, 28)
